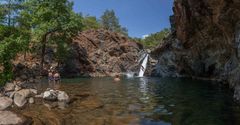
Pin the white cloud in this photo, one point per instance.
(144, 36)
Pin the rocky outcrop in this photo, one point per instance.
(205, 42)
(92, 53)
(101, 53)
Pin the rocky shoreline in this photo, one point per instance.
(16, 96)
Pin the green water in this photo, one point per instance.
(149, 101)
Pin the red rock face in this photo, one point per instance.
(92, 53)
(103, 53)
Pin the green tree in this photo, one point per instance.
(12, 41)
(154, 39)
(52, 22)
(90, 22)
(110, 22)
(10, 11)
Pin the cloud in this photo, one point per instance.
(144, 36)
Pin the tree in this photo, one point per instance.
(10, 11)
(52, 22)
(154, 39)
(110, 22)
(90, 22)
(12, 41)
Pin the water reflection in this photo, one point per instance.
(144, 89)
(144, 101)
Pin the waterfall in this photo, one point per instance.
(143, 65)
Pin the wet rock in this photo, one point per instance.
(62, 96)
(5, 102)
(92, 103)
(50, 95)
(10, 118)
(20, 97)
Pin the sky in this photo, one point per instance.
(140, 17)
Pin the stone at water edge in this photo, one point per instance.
(20, 97)
(62, 96)
(50, 95)
(10, 118)
(5, 102)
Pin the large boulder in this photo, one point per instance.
(20, 97)
(10, 118)
(5, 102)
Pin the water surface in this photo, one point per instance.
(139, 101)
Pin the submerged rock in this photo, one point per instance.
(5, 102)
(10, 118)
(62, 96)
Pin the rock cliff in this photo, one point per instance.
(93, 53)
(205, 42)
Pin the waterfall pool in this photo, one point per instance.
(138, 101)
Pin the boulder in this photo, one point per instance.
(9, 87)
(62, 96)
(50, 95)
(20, 97)
(10, 118)
(5, 102)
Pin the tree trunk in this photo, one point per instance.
(44, 41)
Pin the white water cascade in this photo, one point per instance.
(143, 65)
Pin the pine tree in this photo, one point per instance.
(110, 22)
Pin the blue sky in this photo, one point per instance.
(140, 17)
